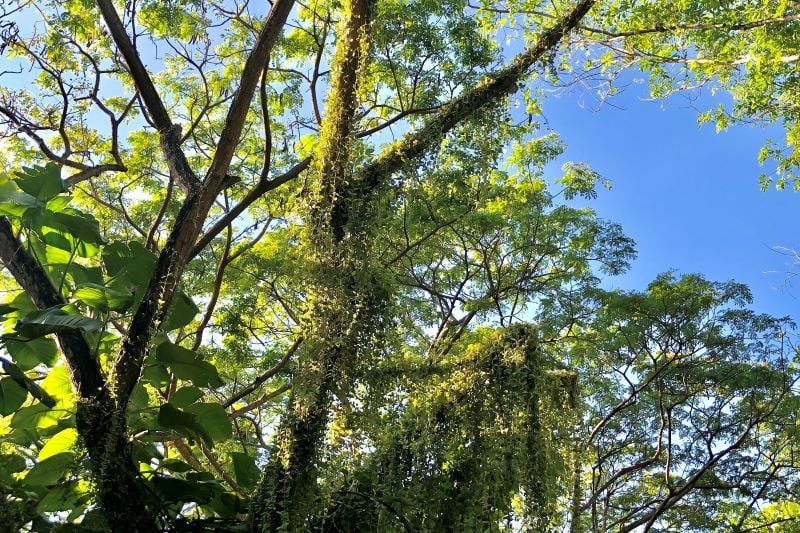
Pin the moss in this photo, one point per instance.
(119, 489)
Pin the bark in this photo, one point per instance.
(189, 222)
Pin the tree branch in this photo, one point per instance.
(189, 221)
(494, 87)
(169, 133)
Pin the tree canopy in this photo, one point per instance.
(305, 266)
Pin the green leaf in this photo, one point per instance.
(181, 312)
(28, 417)
(58, 203)
(132, 261)
(61, 498)
(55, 320)
(14, 202)
(57, 384)
(11, 463)
(68, 243)
(28, 354)
(213, 418)
(79, 225)
(186, 396)
(245, 469)
(175, 465)
(43, 183)
(181, 490)
(188, 365)
(102, 298)
(50, 470)
(25, 382)
(171, 417)
(12, 396)
(61, 442)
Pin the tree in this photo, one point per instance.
(254, 307)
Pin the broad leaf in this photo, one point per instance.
(55, 320)
(245, 469)
(50, 470)
(181, 312)
(189, 365)
(213, 418)
(12, 396)
(103, 298)
(183, 422)
(28, 354)
(61, 442)
(43, 183)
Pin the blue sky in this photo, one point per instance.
(687, 195)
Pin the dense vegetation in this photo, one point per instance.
(304, 266)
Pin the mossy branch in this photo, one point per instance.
(491, 89)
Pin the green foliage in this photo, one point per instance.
(425, 349)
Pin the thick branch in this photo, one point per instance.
(494, 87)
(169, 133)
(189, 222)
(234, 122)
(84, 368)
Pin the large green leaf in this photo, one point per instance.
(64, 497)
(62, 442)
(49, 471)
(186, 396)
(189, 365)
(27, 354)
(183, 422)
(245, 469)
(181, 490)
(79, 225)
(129, 260)
(58, 384)
(12, 396)
(213, 418)
(43, 183)
(12, 201)
(55, 320)
(103, 298)
(181, 312)
(19, 377)
(28, 417)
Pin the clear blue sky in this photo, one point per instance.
(687, 195)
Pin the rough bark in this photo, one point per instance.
(189, 222)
